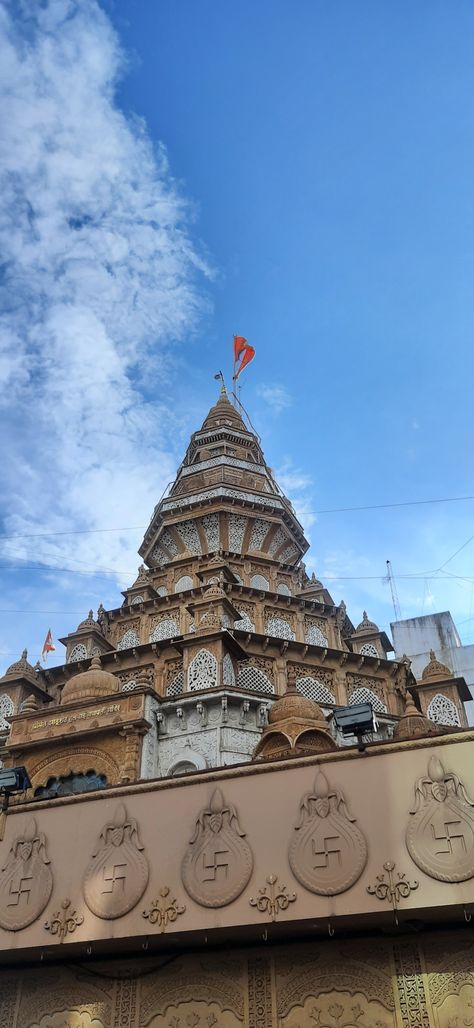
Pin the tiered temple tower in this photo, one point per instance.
(199, 848)
(222, 615)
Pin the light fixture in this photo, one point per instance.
(356, 720)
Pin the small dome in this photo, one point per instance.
(296, 727)
(366, 625)
(21, 668)
(435, 670)
(413, 724)
(293, 704)
(88, 623)
(215, 589)
(90, 684)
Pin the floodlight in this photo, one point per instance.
(14, 779)
(356, 720)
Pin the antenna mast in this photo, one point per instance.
(393, 589)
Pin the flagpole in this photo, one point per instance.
(234, 367)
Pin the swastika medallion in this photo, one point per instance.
(327, 853)
(219, 861)
(117, 874)
(26, 881)
(440, 835)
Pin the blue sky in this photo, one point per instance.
(174, 172)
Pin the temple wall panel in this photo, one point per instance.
(370, 982)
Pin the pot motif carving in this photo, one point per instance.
(26, 881)
(117, 874)
(219, 861)
(440, 835)
(328, 852)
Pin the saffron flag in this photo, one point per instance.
(243, 352)
(48, 645)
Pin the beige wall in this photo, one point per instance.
(377, 789)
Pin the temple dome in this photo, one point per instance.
(88, 623)
(293, 704)
(435, 670)
(366, 625)
(296, 727)
(90, 684)
(21, 668)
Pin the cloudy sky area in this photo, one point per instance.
(173, 172)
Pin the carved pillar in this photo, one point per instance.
(130, 768)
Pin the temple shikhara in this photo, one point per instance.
(202, 845)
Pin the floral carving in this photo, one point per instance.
(219, 861)
(26, 881)
(392, 889)
(65, 921)
(117, 874)
(164, 910)
(272, 898)
(328, 852)
(440, 836)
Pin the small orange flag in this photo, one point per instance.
(48, 645)
(243, 352)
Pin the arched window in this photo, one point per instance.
(162, 590)
(259, 582)
(443, 711)
(280, 629)
(176, 686)
(70, 785)
(138, 599)
(79, 652)
(202, 671)
(245, 624)
(283, 589)
(129, 639)
(368, 650)
(228, 673)
(250, 677)
(314, 690)
(6, 710)
(183, 583)
(166, 629)
(314, 636)
(367, 696)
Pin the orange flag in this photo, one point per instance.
(243, 352)
(48, 645)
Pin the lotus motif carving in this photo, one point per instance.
(26, 880)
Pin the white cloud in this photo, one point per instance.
(276, 396)
(99, 280)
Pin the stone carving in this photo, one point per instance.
(440, 835)
(393, 889)
(117, 874)
(219, 861)
(328, 852)
(164, 911)
(272, 898)
(65, 921)
(260, 993)
(26, 881)
(409, 979)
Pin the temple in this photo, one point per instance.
(201, 845)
